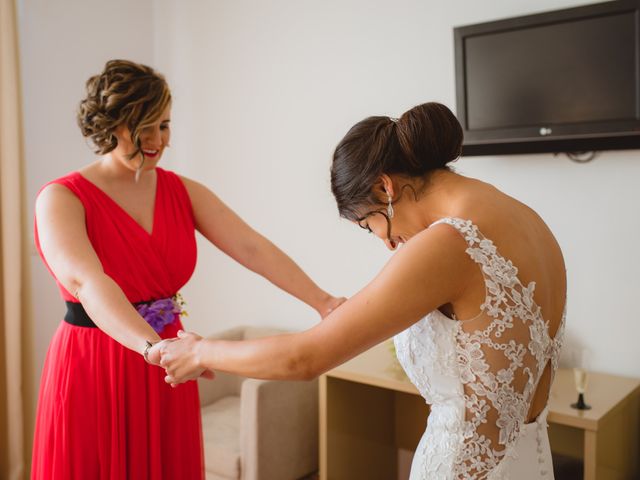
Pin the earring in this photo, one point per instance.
(389, 207)
(139, 169)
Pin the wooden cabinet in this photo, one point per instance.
(369, 411)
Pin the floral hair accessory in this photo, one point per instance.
(162, 312)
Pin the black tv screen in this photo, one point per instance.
(567, 80)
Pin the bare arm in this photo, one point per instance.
(63, 238)
(225, 229)
(427, 272)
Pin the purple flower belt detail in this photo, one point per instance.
(162, 312)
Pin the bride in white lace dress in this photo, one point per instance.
(475, 299)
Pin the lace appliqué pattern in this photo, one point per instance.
(479, 376)
(503, 393)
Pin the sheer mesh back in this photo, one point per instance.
(502, 354)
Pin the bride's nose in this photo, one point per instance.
(391, 245)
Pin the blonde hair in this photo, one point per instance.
(125, 93)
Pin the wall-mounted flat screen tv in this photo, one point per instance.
(561, 81)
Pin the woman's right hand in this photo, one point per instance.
(154, 356)
(154, 353)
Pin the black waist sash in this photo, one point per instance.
(78, 316)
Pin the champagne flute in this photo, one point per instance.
(581, 376)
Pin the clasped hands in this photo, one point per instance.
(179, 358)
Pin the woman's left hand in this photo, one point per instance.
(180, 360)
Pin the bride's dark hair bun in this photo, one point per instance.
(430, 137)
(423, 139)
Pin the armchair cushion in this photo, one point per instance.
(221, 434)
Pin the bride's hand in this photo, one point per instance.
(180, 360)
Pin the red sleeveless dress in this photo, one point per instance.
(103, 412)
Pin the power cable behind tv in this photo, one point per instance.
(581, 157)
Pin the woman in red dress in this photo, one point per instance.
(119, 237)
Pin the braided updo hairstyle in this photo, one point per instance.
(423, 139)
(125, 93)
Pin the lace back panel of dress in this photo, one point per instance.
(502, 354)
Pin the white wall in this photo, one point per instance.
(62, 45)
(264, 91)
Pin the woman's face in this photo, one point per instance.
(383, 227)
(153, 140)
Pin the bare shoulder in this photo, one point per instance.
(59, 213)
(198, 193)
(59, 199)
(440, 240)
(434, 258)
(191, 185)
(214, 219)
(188, 183)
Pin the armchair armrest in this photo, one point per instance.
(278, 429)
(223, 385)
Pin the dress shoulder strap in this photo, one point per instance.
(77, 184)
(500, 273)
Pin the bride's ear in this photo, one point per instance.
(383, 188)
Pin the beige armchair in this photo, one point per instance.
(258, 429)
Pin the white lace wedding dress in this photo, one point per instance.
(479, 377)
